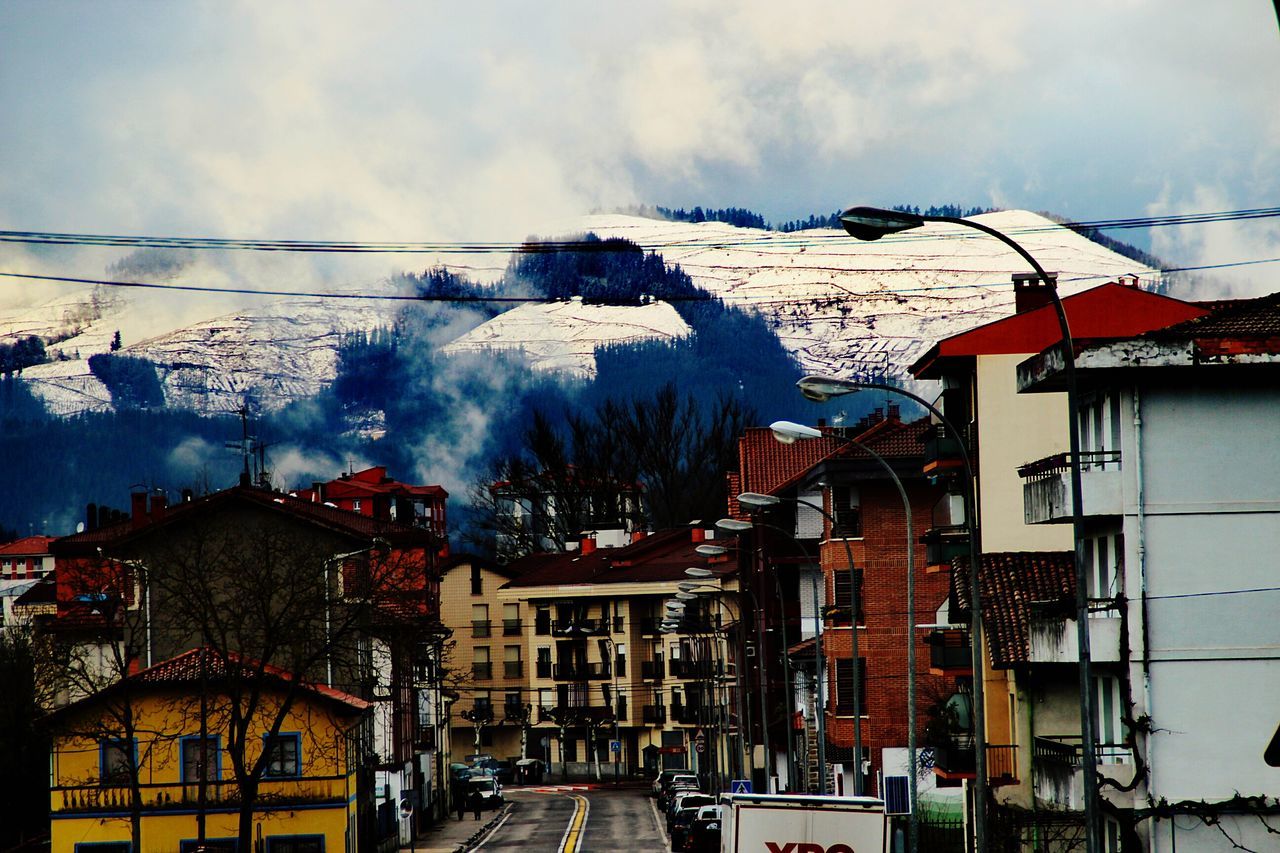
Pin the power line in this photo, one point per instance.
(528, 247)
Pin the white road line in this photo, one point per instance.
(659, 824)
(571, 841)
(493, 832)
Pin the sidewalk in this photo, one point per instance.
(451, 835)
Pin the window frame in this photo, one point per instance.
(183, 741)
(267, 743)
(273, 840)
(111, 781)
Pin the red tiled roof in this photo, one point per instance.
(1107, 311)
(28, 545)
(889, 437)
(185, 669)
(340, 520)
(764, 463)
(1239, 318)
(1009, 583)
(661, 556)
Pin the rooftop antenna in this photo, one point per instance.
(243, 445)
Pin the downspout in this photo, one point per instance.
(1141, 546)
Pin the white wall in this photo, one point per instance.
(1210, 524)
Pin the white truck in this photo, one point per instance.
(795, 823)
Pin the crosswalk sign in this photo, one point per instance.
(740, 786)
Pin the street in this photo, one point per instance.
(571, 821)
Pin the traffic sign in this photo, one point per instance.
(615, 746)
(740, 786)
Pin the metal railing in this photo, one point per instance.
(653, 669)
(512, 627)
(220, 792)
(1066, 751)
(481, 670)
(653, 715)
(513, 668)
(481, 628)
(582, 671)
(1060, 463)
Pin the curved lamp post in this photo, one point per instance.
(788, 433)
(734, 525)
(871, 223)
(754, 499)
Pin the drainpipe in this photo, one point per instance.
(1141, 545)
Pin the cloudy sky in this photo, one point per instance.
(489, 121)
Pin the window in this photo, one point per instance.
(295, 844)
(542, 620)
(513, 667)
(620, 658)
(844, 687)
(510, 620)
(480, 665)
(115, 757)
(544, 662)
(355, 505)
(477, 582)
(844, 586)
(197, 762)
(570, 747)
(479, 620)
(220, 845)
(1100, 432)
(284, 753)
(1104, 565)
(484, 704)
(846, 509)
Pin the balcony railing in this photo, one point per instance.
(1046, 489)
(654, 715)
(579, 627)
(512, 627)
(941, 450)
(944, 543)
(543, 669)
(574, 715)
(218, 792)
(955, 759)
(654, 669)
(1058, 778)
(481, 628)
(686, 714)
(513, 668)
(1053, 637)
(1002, 764)
(582, 671)
(483, 671)
(695, 668)
(949, 653)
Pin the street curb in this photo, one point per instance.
(479, 834)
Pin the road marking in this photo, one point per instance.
(659, 824)
(572, 839)
(489, 835)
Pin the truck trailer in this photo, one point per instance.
(795, 823)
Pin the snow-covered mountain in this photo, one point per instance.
(840, 305)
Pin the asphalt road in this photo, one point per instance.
(578, 822)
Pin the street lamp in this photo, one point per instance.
(788, 433)
(754, 499)
(871, 223)
(718, 592)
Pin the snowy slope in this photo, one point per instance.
(844, 306)
(563, 336)
(840, 305)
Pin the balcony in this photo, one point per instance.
(575, 715)
(1046, 487)
(425, 739)
(654, 669)
(942, 544)
(954, 759)
(482, 671)
(949, 653)
(1002, 764)
(694, 668)
(1057, 776)
(582, 671)
(218, 792)
(654, 715)
(941, 451)
(514, 712)
(1054, 639)
(572, 628)
(688, 715)
(512, 627)
(481, 628)
(513, 669)
(650, 625)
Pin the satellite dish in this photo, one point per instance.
(406, 808)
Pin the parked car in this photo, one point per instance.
(703, 835)
(686, 799)
(677, 784)
(489, 789)
(680, 823)
(504, 771)
(664, 777)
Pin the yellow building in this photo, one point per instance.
(149, 724)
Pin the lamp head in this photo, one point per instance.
(756, 499)
(712, 550)
(689, 586)
(872, 223)
(788, 432)
(820, 388)
(733, 525)
(686, 596)
(697, 572)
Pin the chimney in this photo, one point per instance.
(91, 517)
(637, 535)
(587, 545)
(187, 495)
(159, 503)
(822, 422)
(698, 534)
(138, 509)
(1130, 280)
(895, 411)
(1030, 293)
